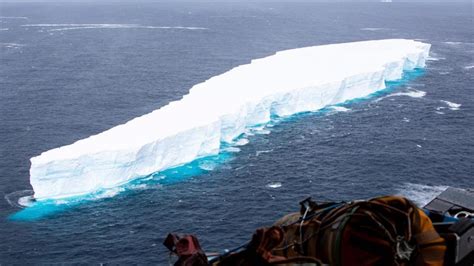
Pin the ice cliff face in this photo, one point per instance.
(220, 109)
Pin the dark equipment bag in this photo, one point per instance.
(387, 230)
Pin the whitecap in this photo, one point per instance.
(20, 199)
(240, 167)
(104, 194)
(451, 105)
(3, 29)
(207, 165)
(79, 25)
(406, 120)
(120, 27)
(274, 185)
(84, 28)
(241, 142)
(259, 127)
(1, 17)
(174, 27)
(453, 43)
(11, 45)
(259, 130)
(419, 193)
(263, 132)
(374, 29)
(232, 149)
(430, 58)
(410, 93)
(469, 67)
(67, 27)
(148, 178)
(140, 187)
(60, 202)
(340, 109)
(257, 153)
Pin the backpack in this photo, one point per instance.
(386, 230)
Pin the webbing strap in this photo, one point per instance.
(336, 252)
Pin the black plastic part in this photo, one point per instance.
(467, 261)
(462, 226)
(459, 237)
(452, 201)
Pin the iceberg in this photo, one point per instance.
(219, 110)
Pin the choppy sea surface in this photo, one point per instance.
(68, 71)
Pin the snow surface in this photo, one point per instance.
(222, 108)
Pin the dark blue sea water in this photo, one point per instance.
(62, 80)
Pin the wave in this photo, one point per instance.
(257, 153)
(11, 45)
(374, 29)
(20, 199)
(67, 27)
(274, 185)
(231, 149)
(435, 58)
(419, 193)
(2, 17)
(241, 142)
(451, 105)
(453, 43)
(410, 93)
(340, 109)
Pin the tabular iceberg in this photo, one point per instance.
(220, 109)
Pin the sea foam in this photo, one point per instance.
(419, 193)
(67, 27)
(451, 105)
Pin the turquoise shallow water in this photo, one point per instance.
(62, 83)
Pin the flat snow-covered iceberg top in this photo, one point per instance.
(220, 109)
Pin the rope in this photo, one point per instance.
(301, 224)
(315, 213)
(227, 252)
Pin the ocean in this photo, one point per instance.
(71, 70)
